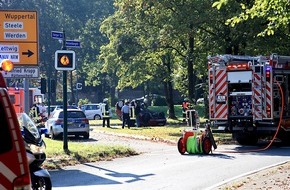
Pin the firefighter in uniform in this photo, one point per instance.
(34, 111)
(34, 114)
(106, 113)
(185, 107)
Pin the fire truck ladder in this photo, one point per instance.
(257, 92)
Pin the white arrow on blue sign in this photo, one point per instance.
(57, 35)
(73, 43)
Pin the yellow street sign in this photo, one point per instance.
(20, 54)
(19, 37)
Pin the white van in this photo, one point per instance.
(93, 111)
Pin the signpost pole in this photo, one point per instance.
(64, 61)
(26, 96)
(49, 93)
(65, 144)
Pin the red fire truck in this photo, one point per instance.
(14, 171)
(249, 96)
(17, 97)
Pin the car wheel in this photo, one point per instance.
(145, 119)
(41, 183)
(46, 135)
(86, 136)
(52, 135)
(97, 117)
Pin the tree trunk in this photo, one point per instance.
(112, 95)
(169, 100)
(168, 88)
(190, 72)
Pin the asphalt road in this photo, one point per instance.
(161, 167)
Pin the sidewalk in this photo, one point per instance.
(274, 178)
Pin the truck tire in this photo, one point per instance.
(284, 137)
(246, 138)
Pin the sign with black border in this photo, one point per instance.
(65, 60)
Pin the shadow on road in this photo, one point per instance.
(118, 174)
(260, 149)
(63, 178)
(222, 156)
(66, 178)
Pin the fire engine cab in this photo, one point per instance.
(17, 97)
(14, 171)
(249, 96)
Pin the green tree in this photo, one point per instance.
(276, 14)
(92, 39)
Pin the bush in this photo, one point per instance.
(83, 101)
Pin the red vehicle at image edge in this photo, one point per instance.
(14, 171)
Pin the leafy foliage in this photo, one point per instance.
(159, 46)
(276, 14)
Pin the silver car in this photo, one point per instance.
(77, 124)
(92, 111)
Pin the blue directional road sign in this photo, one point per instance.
(73, 43)
(57, 35)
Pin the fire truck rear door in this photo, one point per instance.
(218, 93)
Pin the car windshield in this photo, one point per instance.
(73, 114)
(25, 121)
(51, 108)
(68, 107)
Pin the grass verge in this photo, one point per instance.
(81, 153)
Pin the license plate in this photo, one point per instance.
(221, 99)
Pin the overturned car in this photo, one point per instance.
(147, 117)
(151, 118)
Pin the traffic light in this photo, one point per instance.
(52, 86)
(64, 60)
(43, 85)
